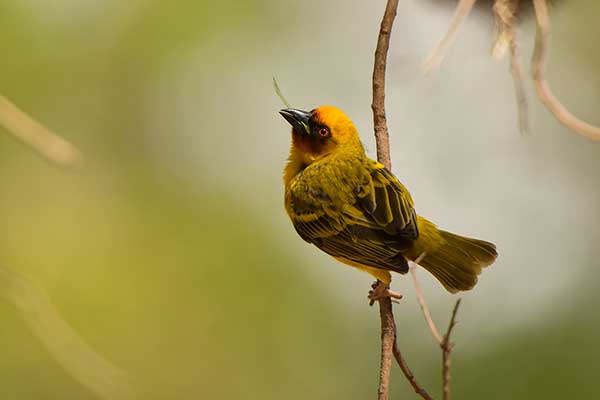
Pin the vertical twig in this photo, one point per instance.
(506, 13)
(437, 54)
(544, 91)
(378, 104)
(388, 340)
(517, 74)
(447, 346)
(388, 326)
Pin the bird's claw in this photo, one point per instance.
(381, 291)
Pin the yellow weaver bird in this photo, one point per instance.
(357, 211)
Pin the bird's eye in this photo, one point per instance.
(323, 132)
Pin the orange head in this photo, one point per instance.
(321, 131)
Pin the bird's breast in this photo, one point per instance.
(325, 184)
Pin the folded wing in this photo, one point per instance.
(372, 229)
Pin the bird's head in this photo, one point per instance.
(322, 131)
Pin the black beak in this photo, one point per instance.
(298, 119)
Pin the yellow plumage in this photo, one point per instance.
(355, 210)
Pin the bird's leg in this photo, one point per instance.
(380, 291)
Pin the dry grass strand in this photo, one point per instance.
(36, 136)
(436, 56)
(545, 94)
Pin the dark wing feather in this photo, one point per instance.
(396, 201)
(314, 223)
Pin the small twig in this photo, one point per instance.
(447, 347)
(544, 91)
(409, 375)
(421, 300)
(33, 134)
(437, 54)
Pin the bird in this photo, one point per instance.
(354, 209)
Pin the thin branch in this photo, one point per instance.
(544, 91)
(421, 300)
(409, 375)
(63, 343)
(388, 341)
(388, 326)
(437, 54)
(378, 105)
(33, 134)
(447, 347)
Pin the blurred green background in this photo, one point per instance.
(170, 253)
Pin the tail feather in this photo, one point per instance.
(454, 260)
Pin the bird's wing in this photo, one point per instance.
(372, 229)
(314, 215)
(385, 205)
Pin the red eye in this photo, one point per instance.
(324, 132)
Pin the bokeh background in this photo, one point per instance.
(169, 252)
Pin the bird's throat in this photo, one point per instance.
(297, 162)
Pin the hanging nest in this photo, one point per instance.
(507, 14)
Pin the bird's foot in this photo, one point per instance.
(380, 291)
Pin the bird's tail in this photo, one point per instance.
(454, 260)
